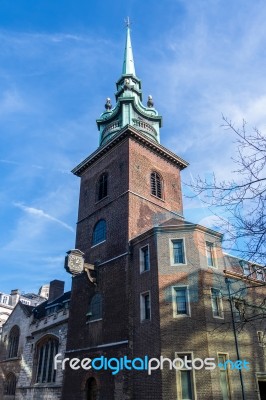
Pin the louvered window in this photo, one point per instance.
(102, 186)
(156, 185)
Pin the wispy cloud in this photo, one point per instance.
(63, 171)
(41, 214)
(11, 102)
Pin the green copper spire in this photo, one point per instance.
(129, 109)
(128, 64)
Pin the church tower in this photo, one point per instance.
(131, 182)
(130, 185)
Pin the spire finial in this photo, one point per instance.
(128, 64)
(127, 22)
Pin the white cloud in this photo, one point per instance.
(41, 214)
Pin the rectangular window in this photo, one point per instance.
(216, 299)
(145, 306)
(259, 274)
(144, 259)
(178, 251)
(4, 299)
(180, 301)
(224, 376)
(27, 302)
(246, 269)
(185, 379)
(210, 254)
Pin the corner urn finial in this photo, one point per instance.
(150, 102)
(108, 104)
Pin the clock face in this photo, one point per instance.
(75, 264)
(75, 261)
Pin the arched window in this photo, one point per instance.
(156, 185)
(95, 308)
(46, 351)
(99, 232)
(10, 385)
(13, 341)
(92, 392)
(102, 186)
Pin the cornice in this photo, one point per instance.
(184, 226)
(129, 131)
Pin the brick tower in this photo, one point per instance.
(129, 185)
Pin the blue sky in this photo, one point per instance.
(59, 60)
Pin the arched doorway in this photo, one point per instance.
(92, 392)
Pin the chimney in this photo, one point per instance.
(56, 290)
(15, 295)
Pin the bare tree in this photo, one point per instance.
(242, 199)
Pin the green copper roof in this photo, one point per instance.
(129, 109)
(128, 64)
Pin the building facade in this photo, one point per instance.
(157, 284)
(9, 301)
(31, 338)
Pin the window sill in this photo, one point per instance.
(97, 244)
(94, 320)
(104, 198)
(178, 265)
(145, 321)
(158, 198)
(177, 316)
(146, 270)
(218, 317)
(46, 384)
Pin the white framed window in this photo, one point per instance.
(144, 258)
(177, 248)
(246, 269)
(145, 306)
(27, 302)
(217, 303)
(210, 255)
(259, 273)
(4, 299)
(180, 296)
(185, 379)
(224, 376)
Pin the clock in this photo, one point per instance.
(74, 262)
